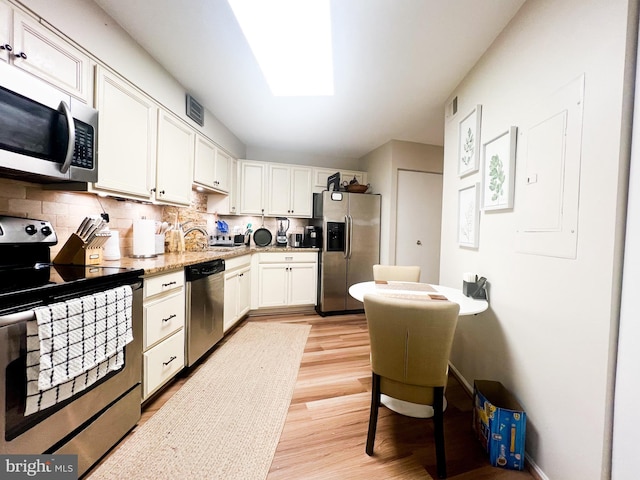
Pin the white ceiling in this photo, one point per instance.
(395, 64)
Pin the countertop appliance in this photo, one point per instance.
(281, 234)
(312, 237)
(46, 136)
(91, 421)
(296, 240)
(205, 300)
(350, 246)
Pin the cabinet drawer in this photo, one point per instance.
(235, 262)
(162, 362)
(163, 317)
(288, 257)
(163, 283)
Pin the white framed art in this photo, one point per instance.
(498, 171)
(469, 142)
(468, 216)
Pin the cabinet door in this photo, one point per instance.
(244, 291)
(273, 285)
(5, 30)
(301, 192)
(204, 168)
(230, 300)
(302, 284)
(222, 171)
(50, 57)
(174, 173)
(252, 185)
(127, 137)
(279, 190)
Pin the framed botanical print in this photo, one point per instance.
(469, 142)
(468, 216)
(498, 171)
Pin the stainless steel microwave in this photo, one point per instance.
(45, 135)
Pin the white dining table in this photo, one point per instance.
(468, 306)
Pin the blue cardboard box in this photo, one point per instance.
(500, 424)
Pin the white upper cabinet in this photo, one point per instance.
(127, 139)
(30, 46)
(174, 171)
(212, 166)
(289, 190)
(6, 39)
(144, 152)
(252, 185)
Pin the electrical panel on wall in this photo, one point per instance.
(549, 189)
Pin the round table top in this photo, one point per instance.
(468, 306)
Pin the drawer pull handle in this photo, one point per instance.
(169, 317)
(164, 364)
(288, 258)
(168, 284)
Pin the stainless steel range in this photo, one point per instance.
(87, 423)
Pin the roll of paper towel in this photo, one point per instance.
(111, 250)
(144, 238)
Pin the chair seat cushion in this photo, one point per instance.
(406, 392)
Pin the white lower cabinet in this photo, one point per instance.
(237, 290)
(162, 362)
(287, 279)
(163, 330)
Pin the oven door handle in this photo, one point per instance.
(14, 318)
(64, 109)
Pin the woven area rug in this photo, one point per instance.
(225, 422)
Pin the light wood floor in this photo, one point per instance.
(326, 428)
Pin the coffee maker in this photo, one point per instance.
(312, 237)
(282, 224)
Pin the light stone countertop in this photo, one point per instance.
(172, 261)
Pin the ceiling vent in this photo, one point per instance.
(195, 111)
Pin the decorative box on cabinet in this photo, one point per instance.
(320, 176)
(163, 330)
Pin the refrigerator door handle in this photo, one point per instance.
(350, 228)
(347, 237)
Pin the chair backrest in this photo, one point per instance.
(399, 273)
(411, 339)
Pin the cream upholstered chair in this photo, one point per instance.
(410, 347)
(399, 273)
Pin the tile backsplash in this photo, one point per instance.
(65, 210)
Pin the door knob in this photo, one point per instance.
(418, 242)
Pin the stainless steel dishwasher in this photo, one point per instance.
(205, 307)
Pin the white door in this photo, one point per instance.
(419, 214)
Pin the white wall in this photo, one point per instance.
(382, 165)
(627, 389)
(300, 158)
(549, 335)
(88, 25)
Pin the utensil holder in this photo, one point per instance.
(76, 252)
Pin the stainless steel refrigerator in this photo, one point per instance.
(350, 246)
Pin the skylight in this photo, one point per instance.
(291, 40)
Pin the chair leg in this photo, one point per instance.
(439, 431)
(373, 415)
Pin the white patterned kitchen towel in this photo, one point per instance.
(73, 344)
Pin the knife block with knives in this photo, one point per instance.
(84, 247)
